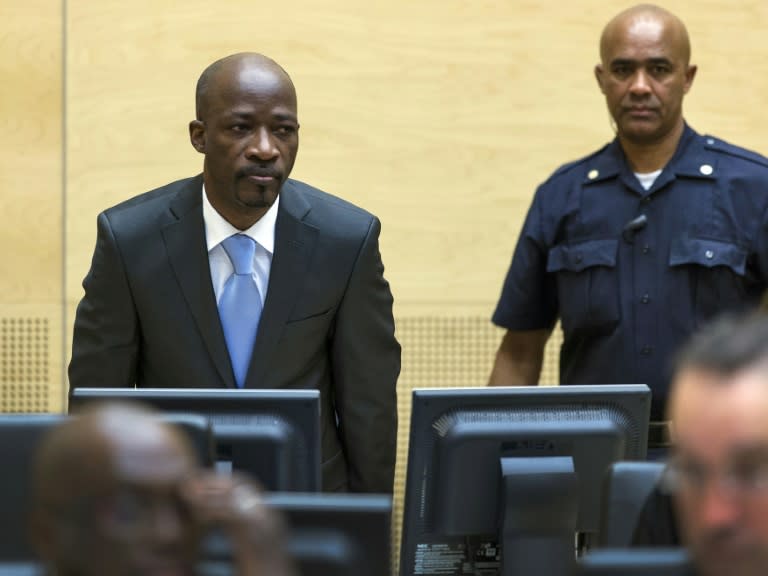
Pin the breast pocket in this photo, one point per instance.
(314, 326)
(717, 270)
(587, 285)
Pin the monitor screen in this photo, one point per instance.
(500, 480)
(327, 535)
(20, 435)
(635, 562)
(273, 435)
(337, 534)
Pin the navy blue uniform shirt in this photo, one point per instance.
(632, 273)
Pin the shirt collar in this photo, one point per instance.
(611, 161)
(217, 229)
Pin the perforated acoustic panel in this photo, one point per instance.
(438, 352)
(24, 364)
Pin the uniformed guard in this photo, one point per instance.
(638, 244)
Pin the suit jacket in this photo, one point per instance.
(149, 317)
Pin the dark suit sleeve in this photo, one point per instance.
(105, 342)
(366, 364)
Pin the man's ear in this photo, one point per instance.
(599, 70)
(690, 74)
(197, 135)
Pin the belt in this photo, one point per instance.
(658, 434)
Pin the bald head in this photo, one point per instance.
(226, 71)
(247, 128)
(84, 453)
(636, 20)
(107, 481)
(644, 74)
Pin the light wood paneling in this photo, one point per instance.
(31, 284)
(439, 116)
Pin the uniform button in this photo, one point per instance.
(645, 200)
(645, 299)
(706, 169)
(646, 350)
(593, 174)
(710, 141)
(579, 258)
(709, 254)
(646, 249)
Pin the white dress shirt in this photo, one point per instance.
(217, 229)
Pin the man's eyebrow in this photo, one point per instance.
(632, 62)
(285, 116)
(234, 114)
(659, 60)
(749, 451)
(247, 115)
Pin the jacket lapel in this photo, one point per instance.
(188, 254)
(294, 243)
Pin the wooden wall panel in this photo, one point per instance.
(440, 116)
(31, 283)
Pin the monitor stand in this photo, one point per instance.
(539, 510)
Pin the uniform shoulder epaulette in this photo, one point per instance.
(723, 147)
(576, 163)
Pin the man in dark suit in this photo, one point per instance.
(163, 304)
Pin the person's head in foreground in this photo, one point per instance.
(719, 467)
(118, 492)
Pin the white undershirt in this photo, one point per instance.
(648, 178)
(217, 229)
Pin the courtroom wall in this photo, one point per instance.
(439, 116)
(31, 206)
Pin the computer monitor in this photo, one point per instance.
(500, 480)
(337, 534)
(635, 562)
(273, 435)
(326, 535)
(20, 436)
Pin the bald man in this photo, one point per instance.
(243, 278)
(117, 492)
(637, 244)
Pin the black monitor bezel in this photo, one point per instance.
(303, 410)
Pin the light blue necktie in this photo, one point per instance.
(240, 305)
